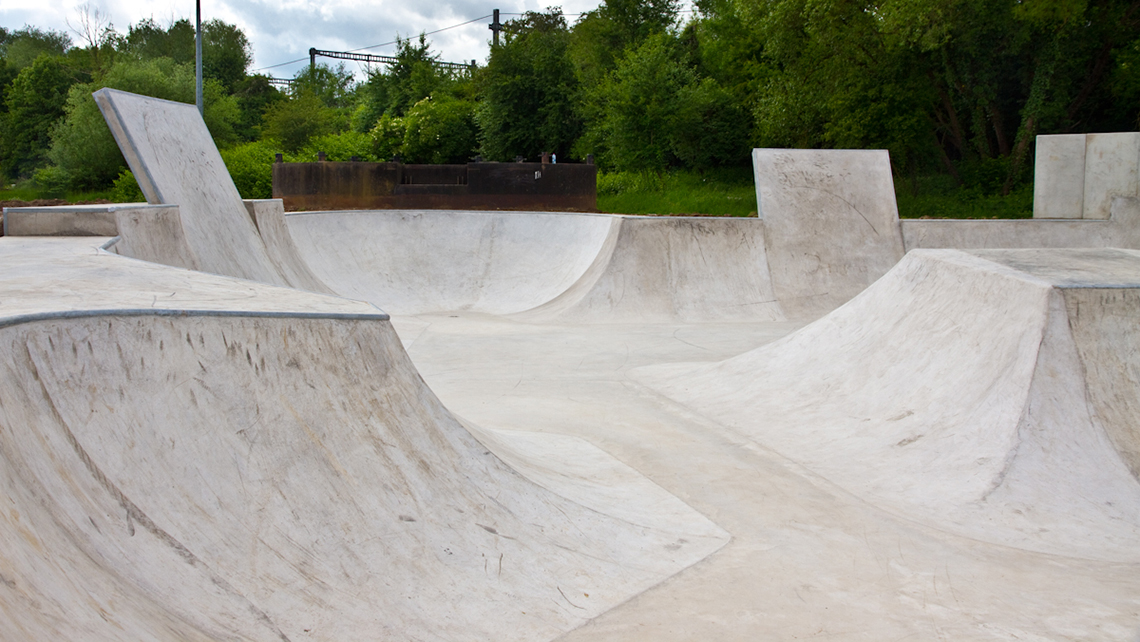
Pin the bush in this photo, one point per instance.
(387, 137)
(337, 147)
(82, 145)
(440, 131)
(294, 122)
(251, 167)
(126, 189)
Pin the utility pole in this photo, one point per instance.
(496, 27)
(198, 61)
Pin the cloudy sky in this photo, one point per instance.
(284, 30)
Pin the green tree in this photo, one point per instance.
(332, 86)
(34, 103)
(254, 97)
(20, 48)
(226, 52)
(529, 91)
(440, 131)
(83, 150)
(293, 122)
(415, 75)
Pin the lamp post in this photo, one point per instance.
(198, 61)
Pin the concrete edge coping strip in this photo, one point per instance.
(162, 312)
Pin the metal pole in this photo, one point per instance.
(198, 62)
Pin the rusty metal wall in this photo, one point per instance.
(482, 186)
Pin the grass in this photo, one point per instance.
(29, 191)
(724, 192)
(939, 197)
(731, 192)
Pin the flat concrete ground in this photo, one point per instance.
(807, 560)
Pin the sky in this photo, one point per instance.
(283, 30)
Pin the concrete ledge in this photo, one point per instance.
(66, 220)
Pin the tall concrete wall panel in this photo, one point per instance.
(1078, 175)
(1112, 162)
(831, 224)
(1059, 176)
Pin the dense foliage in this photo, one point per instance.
(957, 90)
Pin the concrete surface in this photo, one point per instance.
(76, 220)
(974, 409)
(542, 266)
(175, 162)
(1059, 176)
(1078, 175)
(830, 223)
(1112, 168)
(629, 415)
(196, 457)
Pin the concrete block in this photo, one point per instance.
(831, 224)
(175, 162)
(66, 220)
(1059, 176)
(1112, 168)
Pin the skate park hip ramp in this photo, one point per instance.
(225, 422)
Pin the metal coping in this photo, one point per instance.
(146, 312)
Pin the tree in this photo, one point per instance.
(529, 91)
(293, 122)
(332, 86)
(254, 98)
(83, 150)
(415, 75)
(95, 30)
(602, 36)
(641, 105)
(226, 53)
(21, 48)
(34, 102)
(440, 131)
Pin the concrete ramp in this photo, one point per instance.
(410, 262)
(991, 393)
(175, 162)
(663, 269)
(542, 267)
(191, 457)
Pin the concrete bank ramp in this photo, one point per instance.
(542, 266)
(994, 394)
(192, 457)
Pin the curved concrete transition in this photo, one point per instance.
(983, 400)
(573, 426)
(195, 457)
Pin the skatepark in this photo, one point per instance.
(220, 421)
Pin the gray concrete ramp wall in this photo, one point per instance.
(975, 392)
(830, 224)
(671, 269)
(410, 262)
(175, 162)
(194, 468)
(1076, 176)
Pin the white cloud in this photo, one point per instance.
(284, 30)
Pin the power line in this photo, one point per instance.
(387, 44)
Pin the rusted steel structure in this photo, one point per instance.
(475, 186)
